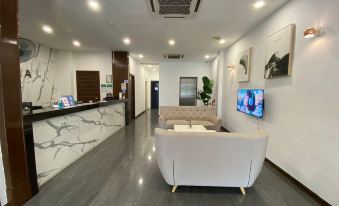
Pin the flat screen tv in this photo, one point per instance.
(251, 101)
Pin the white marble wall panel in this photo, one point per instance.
(40, 87)
(60, 141)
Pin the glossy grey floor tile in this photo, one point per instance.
(122, 171)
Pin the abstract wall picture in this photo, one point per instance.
(244, 65)
(279, 53)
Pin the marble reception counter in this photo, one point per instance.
(57, 137)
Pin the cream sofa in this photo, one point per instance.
(206, 116)
(210, 159)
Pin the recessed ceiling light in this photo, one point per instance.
(94, 5)
(207, 56)
(154, 69)
(141, 181)
(171, 42)
(76, 43)
(126, 41)
(149, 66)
(47, 29)
(141, 56)
(259, 4)
(222, 41)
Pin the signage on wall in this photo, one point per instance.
(106, 88)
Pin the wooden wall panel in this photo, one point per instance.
(11, 125)
(120, 70)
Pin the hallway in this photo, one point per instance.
(122, 171)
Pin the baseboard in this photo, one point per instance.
(140, 114)
(313, 195)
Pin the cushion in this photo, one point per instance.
(169, 124)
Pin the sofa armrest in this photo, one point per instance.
(162, 121)
(216, 121)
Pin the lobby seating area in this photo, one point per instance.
(176, 115)
(217, 159)
(169, 102)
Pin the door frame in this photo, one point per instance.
(130, 99)
(151, 92)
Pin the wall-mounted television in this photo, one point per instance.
(251, 101)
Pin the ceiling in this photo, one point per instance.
(105, 29)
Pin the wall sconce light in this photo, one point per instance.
(230, 67)
(310, 32)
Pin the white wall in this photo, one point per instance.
(214, 76)
(169, 78)
(302, 110)
(139, 77)
(64, 77)
(68, 62)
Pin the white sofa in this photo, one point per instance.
(210, 159)
(200, 115)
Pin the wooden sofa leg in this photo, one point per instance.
(243, 190)
(174, 188)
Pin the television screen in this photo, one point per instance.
(251, 101)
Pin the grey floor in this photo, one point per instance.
(123, 171)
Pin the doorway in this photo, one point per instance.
(131, 95)
(154, 94)
(188, 91)
(88, 86)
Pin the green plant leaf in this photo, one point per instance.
(207, 90)
(205, 80)
(211, 84)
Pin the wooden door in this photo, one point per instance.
(88, 86)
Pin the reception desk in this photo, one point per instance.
(55, 138)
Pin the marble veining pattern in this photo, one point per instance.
(60, 141)
(40, 88)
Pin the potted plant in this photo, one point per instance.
(204, 94)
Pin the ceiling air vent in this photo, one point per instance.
(173, 56)
(174, 9)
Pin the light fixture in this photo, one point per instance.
(76, 43)
(310, 32)
(126, 41)
(222, 41)
(141, 181)
(230, 67)
(207, 56)
(154, 69)
(149, 157)
(153, 148)
(94, 5)
(171, 42)
(47, 29)
(141, 56)
(259, 4)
